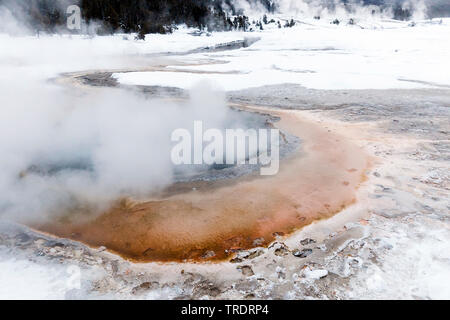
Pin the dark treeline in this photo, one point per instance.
(141, 16)
(160, 16)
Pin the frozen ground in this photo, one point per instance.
(318, 55)
(393, 243)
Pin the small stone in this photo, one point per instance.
(53, 244)
(246, 270)
(280, 249)
(144, 287)
(205, 288)
(236, 260)
(302, 253)
(307, 241)
(249, 296)
(254, 254)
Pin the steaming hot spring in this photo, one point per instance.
(214, 211)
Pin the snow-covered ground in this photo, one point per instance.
(314, 54)
(321, 55)
(48, 55)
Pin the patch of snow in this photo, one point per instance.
(22, 279)
(314, 274)
(321, 56)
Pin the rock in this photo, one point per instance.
(236, 260)
(254, 254)
(246, 270)
(144, 287)
(280, 249)
(53, 244)
(302, 253)
(206, 288)
(247, 285)
(307, 241)
(247, 255)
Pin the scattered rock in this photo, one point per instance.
(302, 253)
(246, 270)
(249, 296)
(144, 287)
(53, 244)
(247, 255)
(206, 288)
(247, 285)
(254, 254)
(236, 260)
(307, 241)
(280, 249)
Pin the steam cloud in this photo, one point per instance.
(63, 148)
(420, 9)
